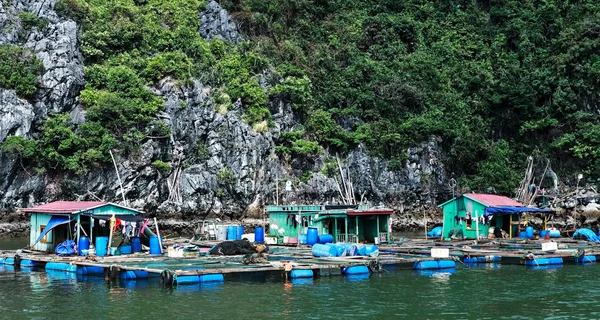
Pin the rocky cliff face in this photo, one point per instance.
(219, 165)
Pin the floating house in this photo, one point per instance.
(346, 223)
(473, 214)
(55, 222)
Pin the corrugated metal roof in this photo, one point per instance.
(493, 200)
(64, 207)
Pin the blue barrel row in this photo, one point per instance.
(486, 259)
(200, 278)
(543, 261)
(434, 264)
(344, 249)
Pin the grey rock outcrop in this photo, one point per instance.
(16, 115)
(62, 79)
(215, 22)
(9, 24)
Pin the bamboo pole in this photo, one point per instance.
(158, 234)
(118, 177)
(111, 226)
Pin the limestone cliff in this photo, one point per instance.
(219, 165)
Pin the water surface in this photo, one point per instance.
(486, 292)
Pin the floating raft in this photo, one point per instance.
(409, 255)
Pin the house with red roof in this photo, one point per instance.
(54, 222)
(471, 215)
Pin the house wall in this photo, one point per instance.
(460, 207)
(285, 220)
(37, 220)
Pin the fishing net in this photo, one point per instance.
(230, 248)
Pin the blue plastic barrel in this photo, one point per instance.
(136, 244)
(125, 249)
(340, 251)
(325, 238)
(154, 245)
(557, 260)
(586, 259)
(101, 244)
(422, 265)
(84, 244)
(443, 264)
(231, 232)
(371, 251)
(322, 250)
(470, 260)
(239, 232)
(543, 234)
(303, 238)
(312, 236)
(355, 270)
(351, 249)
(301, 273)
(554, 233)
(211, 278)
(537, 262)
(523, 234)
(187, 279)
(529, 231)
(259, 234)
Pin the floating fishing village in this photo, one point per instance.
(100, 239)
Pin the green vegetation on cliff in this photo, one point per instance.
(497, 80)
(19, 70)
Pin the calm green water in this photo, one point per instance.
(490, 292)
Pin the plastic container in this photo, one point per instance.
(529, 231)
(523, 234)
(537, 262)
(351, 249)
(302, 239)
(259, 234)
(557, 260)
(136, 245)
(154, 245)
(543, 234)
(371, 251)
(322, 250)
(222, 233)
(231, 232)
(301, 273)
(340, 251)
(84, 244)
(355, 270)
(239, 232)
(125, 249)
(444, 264)
(586, 259)
(101, 244)
(554, 233)
(114, 251)
(312, 236)
(423, 265)
(211, 278)
(325, 238)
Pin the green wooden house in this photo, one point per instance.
(346, 223)
(473, 214)
(54, 222)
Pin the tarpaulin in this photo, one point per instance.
(513, 210)
(54, 221)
